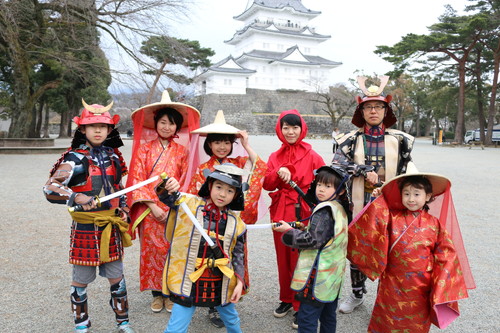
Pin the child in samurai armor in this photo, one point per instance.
(205, 268)
(319, 274)
(223, 143)
(418, 258)
(93, 166)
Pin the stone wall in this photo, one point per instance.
(258, 110)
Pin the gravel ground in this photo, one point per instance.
(35, 275)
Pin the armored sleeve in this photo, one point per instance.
(238, 257)
(319, 232)
(343, 154)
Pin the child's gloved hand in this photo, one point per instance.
(284, 227)
(172, 185)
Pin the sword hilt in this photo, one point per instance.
(162, 192)
(295, 225)
(301, 193)
(79, 208)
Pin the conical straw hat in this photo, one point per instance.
(218, 126)
(150, 110)
(391, 191)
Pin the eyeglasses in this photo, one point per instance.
(376, 107)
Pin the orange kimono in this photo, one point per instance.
(152, 160)
(252, 195)
(414, 258)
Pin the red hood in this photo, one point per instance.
(280, 135)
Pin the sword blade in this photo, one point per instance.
(197, 224)
(260, 226)
(128, 189)
(79, 208)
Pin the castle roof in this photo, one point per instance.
(304, 32)
(229, 66)
(295, 5)
(291, 56)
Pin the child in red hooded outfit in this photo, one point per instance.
(296, 161)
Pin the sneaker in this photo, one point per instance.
(295, 323)
(157, 304)
(125, 328)
(350, 304)
(283, 309)
(81, 329)
(168, 304)
(214, 317)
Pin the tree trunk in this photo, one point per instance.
(459, 126)
(479, 97)
(63, 125)
(153, 87)
(46, 130)
(32, 126)
(39, 119)
(22, 105)
(493, 96)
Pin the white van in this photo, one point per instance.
(473, 135)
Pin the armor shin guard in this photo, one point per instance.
(79, 306)
(119, 301)
(358, 282)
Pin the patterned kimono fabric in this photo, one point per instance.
(420, 275)
(153, 159)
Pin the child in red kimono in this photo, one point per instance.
(218, 145)
(295, 160)
(418, 258)
(161, 138)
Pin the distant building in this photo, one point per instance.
(277, 50)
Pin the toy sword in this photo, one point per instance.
(79, 208)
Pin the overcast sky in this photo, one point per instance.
(356, 27)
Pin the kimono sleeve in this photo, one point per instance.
(368, 244)
(448, 285)
(250, 214)
(140, 173)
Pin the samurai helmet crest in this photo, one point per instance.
(373, 93)
(373, 90)
(96, 114)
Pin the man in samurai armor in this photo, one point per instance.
(372, 154)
